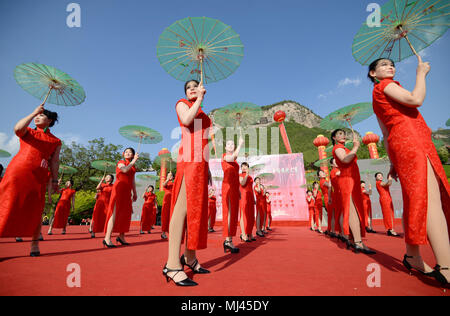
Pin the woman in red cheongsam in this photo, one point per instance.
(247, 204)
(325, 187)
(165, 211)
(101, 204)
(230, 194)
(335, 200)
(269, 211)
(414, 160)
(387, 207)
(123, 195)
(62, 212)
(22, 190)
(260, 211)
(148, 216)
(366, 193)
(212, 210)
(350, 191)
(318, 207)
(189, 209)
(311, 207)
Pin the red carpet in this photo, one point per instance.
(289, 261)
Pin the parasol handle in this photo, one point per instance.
(409, 43)
(201, 70)
(351, 127)
(139, 146)
(48, 94)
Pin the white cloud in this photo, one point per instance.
(68, 138)
(347, 81)
(10, 144)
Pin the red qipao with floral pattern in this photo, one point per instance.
(230, 197)
(349, 183)
(193, 167)
(22, 190)
(335, 197)
(367, 206)
(101, 207)
(121, 199)
(212, 211)
(148, 217)
(410, 146)
(165, 211)
(62, 211)
(387, 207)
(247, 204)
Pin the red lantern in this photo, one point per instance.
(279, 117)
(371, 141)
(163, 172)
(321, 142)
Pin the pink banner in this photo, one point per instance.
(283, 177)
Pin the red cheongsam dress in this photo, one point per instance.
(410, 146)
(121, 199)
(101, 207)
(193, 167)
(62, 211)
(22, 190)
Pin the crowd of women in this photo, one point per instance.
(188, 211)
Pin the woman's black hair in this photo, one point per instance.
(244, 164)
(318, 172)
(257, 178)
(378, 174)
(112, 177)
(53, 116)
(332, 161)
(187, 82)
(152, 187)
(374, 65)
(1, 169)
(315, 182)
(308, 191)
(333, 134)
(363, 182)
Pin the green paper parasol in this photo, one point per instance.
(63, 169)
(348, 144)
(140, 134)
(406, 27)
(95, 179)
(238, 115)
(103, 165)
(323, 162)
(4, 154)
(148, 177)
(49, 84)
(199, 48)
(351, 115)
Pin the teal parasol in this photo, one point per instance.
(148, 177)
(95, 179)
(103, 165)
(199, 48)
(348, 144)
(323, 162)
(4, 154)
(63, 169)
(351, 115)
(49, 84)
(406, 27)
(140, 134)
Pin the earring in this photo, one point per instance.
(376, 80)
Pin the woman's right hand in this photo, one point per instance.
(201, 91)
(356, 142)
(135, 158)
(38, 110)
(422, 68)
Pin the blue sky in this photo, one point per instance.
(294, 50)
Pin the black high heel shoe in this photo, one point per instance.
(389, 233)
(105, 244)
(227, 246)
(409, 267)
(244, 240)
(185, 282)
(363, 249)
(260, 234)
(439, 276)
(192, 266)
(122, 242)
